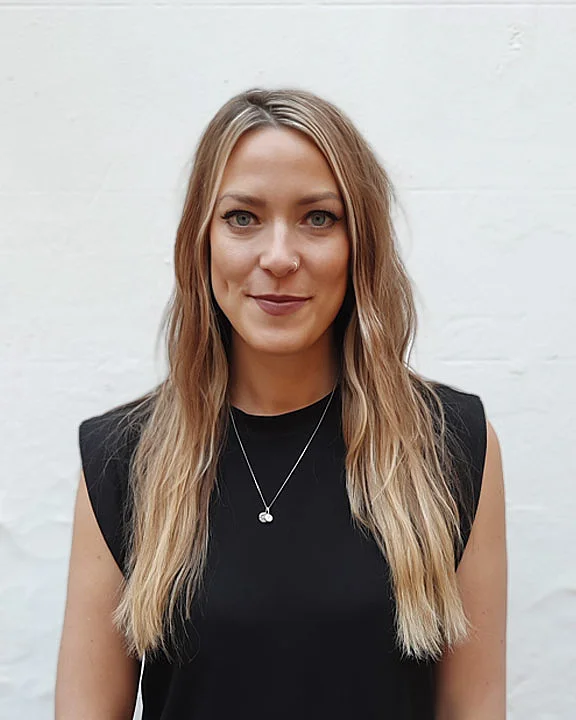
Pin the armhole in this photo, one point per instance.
(106, 481)
(466, 440)
(473, 437)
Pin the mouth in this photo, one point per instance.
(279, 304)
(280, 298)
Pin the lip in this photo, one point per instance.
(285, 307)
(279, 298)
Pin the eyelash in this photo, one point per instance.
(231, 213)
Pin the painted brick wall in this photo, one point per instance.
(472, 108)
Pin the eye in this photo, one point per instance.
(243, 219)
(242, 214)
(323, 215)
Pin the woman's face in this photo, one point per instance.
(279, 202)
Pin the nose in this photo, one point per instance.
(279, 251)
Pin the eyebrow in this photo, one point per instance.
(257, 202)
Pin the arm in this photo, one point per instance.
(471, 678)
(95, 678)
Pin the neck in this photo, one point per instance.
(265, 384)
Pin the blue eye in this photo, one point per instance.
(240, 213)
(323, 213)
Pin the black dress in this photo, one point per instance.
(297, 619)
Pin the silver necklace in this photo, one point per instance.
(266, 516)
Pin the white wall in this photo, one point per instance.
(472, 108)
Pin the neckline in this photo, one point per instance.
(291, 420)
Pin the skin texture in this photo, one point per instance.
(471, 678)
(279, 363)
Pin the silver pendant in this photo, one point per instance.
(265, 517)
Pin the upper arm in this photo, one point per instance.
(471, 677)
(95, 676)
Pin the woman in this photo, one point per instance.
(294, 524)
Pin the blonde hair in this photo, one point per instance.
(400, 478)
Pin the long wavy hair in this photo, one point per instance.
(399, 476)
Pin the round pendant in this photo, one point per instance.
(265, 517)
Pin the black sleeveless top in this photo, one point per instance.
(297, 618)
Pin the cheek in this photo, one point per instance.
(333, 267)
(229, 265)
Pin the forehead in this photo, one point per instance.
(278, 155)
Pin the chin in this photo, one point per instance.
(279, 347)
(288, 342)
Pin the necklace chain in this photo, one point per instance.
(266, 516)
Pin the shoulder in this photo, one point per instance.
(111, 436)
(466, 425)
(107, 443)
(466, 436)
(464, 408)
